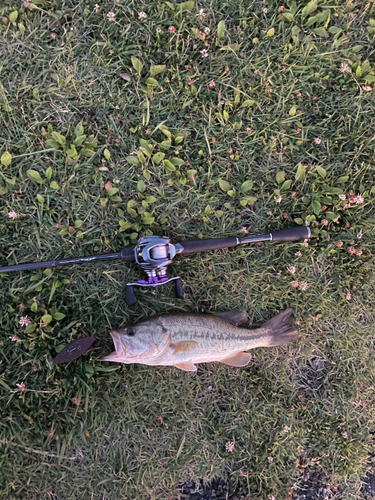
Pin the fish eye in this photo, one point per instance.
(131, 332)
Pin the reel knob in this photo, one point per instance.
(179, 293)
(130, 298)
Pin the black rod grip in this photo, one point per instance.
(291, 234)
(130, 298)
(127, 254)
(195, 246)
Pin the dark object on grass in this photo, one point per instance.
(75, 349)
(154, 254)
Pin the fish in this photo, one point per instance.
(183, 340)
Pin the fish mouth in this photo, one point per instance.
(122, 346)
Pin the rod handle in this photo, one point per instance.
(127, 254)
(195, 246)
(291, 234)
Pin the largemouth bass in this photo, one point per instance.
(182, 340)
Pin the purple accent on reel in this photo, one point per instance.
(153, 280)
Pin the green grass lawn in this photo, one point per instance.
(187, 124)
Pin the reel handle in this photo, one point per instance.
(130, 298)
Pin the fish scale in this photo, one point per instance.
(214, 335)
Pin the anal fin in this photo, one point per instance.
(239, 359)
(187, 367)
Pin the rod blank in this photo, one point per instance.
(60, 262)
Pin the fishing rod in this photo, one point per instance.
(155, 253)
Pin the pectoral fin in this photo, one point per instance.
(187, 367)
(184, 346)
(239, 359)
(236, 317)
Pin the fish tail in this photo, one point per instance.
(280, 330)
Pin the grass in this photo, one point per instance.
(95, 430)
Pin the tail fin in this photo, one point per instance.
(281, 332)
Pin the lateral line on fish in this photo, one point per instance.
(230, 336)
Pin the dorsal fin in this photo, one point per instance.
(235, 316)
